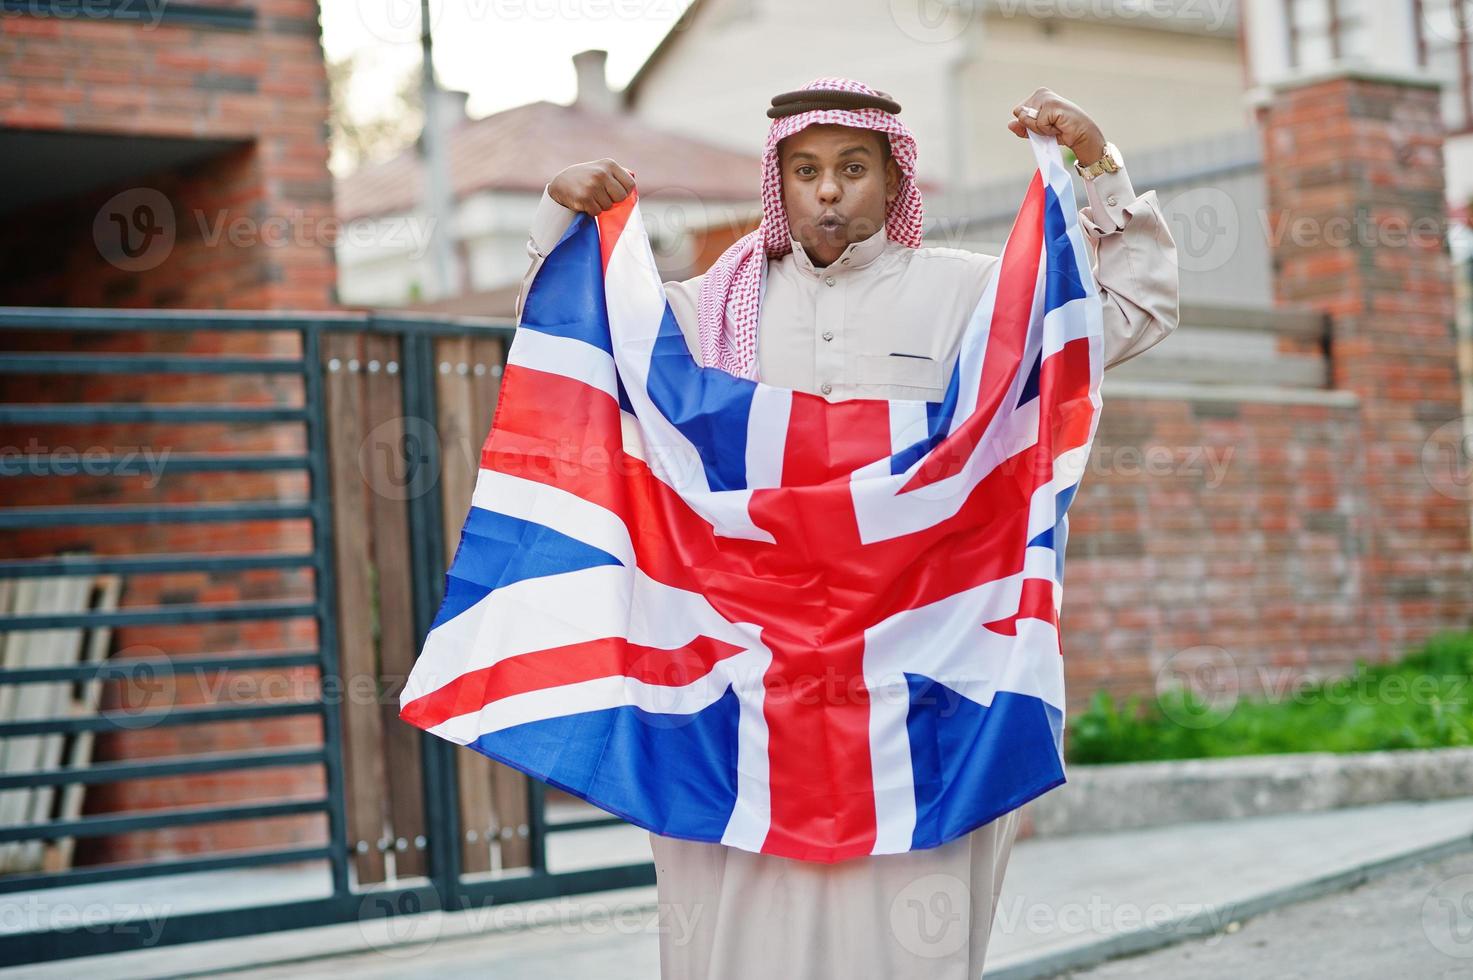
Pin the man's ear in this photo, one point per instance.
(892, 179)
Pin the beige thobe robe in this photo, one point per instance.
(882, 321)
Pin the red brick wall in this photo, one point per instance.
(268, 195)
(1323, 539)
(1233, 525)
(1370, 151)
(265, 87)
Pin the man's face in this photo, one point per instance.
(837, 183)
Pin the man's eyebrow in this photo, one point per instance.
(856, 148)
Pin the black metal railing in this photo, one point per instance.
(445, 886)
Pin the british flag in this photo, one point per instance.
(738, 613)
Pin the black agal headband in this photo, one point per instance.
(809, 99)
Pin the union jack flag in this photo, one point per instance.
(737, 613)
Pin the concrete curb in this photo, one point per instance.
(1208, 921)
(1138, 795)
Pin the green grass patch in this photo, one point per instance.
(1423, 701)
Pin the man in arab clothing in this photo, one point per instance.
(834, 294)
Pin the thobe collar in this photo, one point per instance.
(856, 256)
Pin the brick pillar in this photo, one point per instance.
(250, 209)
(1357, 224)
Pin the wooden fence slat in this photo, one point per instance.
(15, 597)
(39, 648)
(55, 700)
(18, 754)
(508, 786)
(388, 528)
(362, 724)
(459, 450)
(79, 753)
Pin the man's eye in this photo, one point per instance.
(856, 169)
(804, 171)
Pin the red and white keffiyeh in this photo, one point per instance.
(731, 294)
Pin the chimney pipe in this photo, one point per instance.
(594, 93)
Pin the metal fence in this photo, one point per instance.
(442, 373)
(1212, 194)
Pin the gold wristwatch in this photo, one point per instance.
(1110, 162)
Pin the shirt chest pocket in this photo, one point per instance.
(903, 371)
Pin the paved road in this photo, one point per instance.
(1068, 899)
(1416, 922)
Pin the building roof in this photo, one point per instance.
(677, 31)
(522, 149)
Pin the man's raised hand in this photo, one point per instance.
(591, 187)
(1050, 114)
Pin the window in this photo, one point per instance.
(1322, 32)
(1445, 41)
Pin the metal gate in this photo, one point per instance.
(313, 367)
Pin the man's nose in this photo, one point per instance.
(828, 190)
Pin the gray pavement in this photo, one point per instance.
(1416, 922)
(1067, 903)
(1077, 900)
